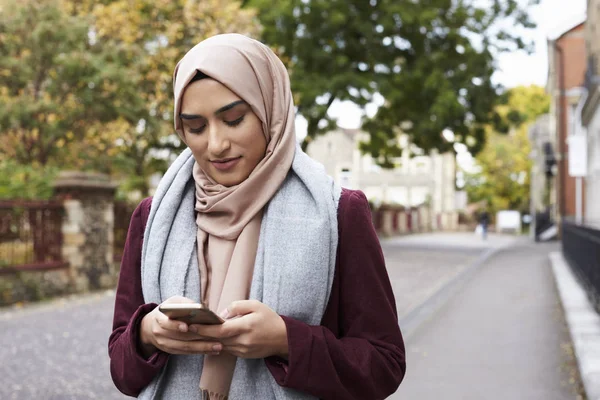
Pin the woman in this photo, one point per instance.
(246, 223)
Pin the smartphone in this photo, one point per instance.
(190, 313)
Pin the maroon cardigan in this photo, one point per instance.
(356, 353)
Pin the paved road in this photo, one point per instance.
(503, 336)
(419, 265)
(58, 350)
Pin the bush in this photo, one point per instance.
(19, 181)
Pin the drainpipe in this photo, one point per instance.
(562, 125)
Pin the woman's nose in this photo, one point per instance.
(218, 143)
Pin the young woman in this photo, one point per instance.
(249, 225)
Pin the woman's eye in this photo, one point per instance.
(195, 126)
(197, 130)
(235, 122)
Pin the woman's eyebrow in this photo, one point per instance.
(219, 111)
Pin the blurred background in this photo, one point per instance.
(473, 127)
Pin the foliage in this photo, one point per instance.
(55, 82)
(87, 84)
(25, 181)
(158, 35)
(503, 179)
(432, 61)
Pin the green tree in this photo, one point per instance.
(56, 82)
(432, 61)
(18, 181)
(503, 179)
(157, 35)
(88, 84)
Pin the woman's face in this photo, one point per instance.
(222, 131)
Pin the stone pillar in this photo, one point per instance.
(387, 229)
(88, 223)
(402, 221)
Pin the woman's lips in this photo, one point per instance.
(226, 164)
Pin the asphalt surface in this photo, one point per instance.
(503, 336)
(58, 350)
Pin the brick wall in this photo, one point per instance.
(574, 62)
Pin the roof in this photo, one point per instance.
(567, 26)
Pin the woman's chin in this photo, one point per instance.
(228, 179)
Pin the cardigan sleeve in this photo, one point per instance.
(130, 371)
(366, 358)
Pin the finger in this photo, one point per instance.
(240, 307)
(237, 351)
(170, 324)
(230, 342)
(218, 332)
(183, 336)
(173, 346)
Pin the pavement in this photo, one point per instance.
(583, 322)
(57, 350)
(481, 320)
(501, 336)
(427, 269)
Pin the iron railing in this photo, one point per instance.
(581, 248)
(30, 236)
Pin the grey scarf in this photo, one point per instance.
(293, 270)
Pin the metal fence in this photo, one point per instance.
(581, 248)
(30, 235)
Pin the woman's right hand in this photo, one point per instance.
(158, 332)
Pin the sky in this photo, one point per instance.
(552, 17)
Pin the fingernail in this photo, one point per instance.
(224, 314)
(217, 347)
(193, 329)
(183, 328)
(215, 353)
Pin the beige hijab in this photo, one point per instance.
(229, 218)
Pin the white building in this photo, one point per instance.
(416, 181)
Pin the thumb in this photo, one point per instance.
(239, 308)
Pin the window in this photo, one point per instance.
(345, 177)
(420, 165)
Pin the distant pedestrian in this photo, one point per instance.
(247, 224)
(484, 221)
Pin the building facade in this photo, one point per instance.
(567, 66)
(590, 112)
(416, 180)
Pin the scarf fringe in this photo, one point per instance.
(207, 395)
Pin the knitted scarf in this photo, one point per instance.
(293, 270)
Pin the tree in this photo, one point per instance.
(55, 82)
(503, 165)
(88, 84)
(157, 35)
(18, 181)
(432, 61)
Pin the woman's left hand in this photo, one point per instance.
(251, 330)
